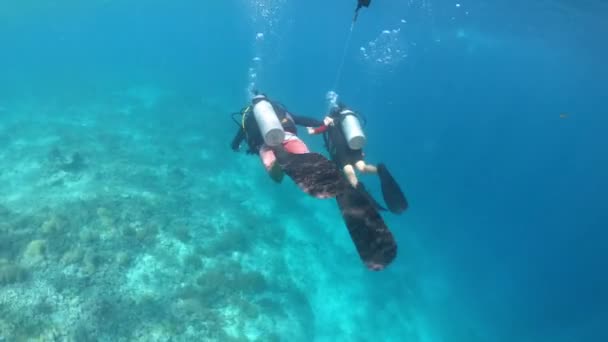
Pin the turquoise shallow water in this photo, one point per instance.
(124, 215)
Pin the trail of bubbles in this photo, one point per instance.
(265, 16)
(393, 45)
(255, 67)
(332, 100)
(389, 48)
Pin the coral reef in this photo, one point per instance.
(53, 225)
(72, 162)
(11, 273)
(34, 253)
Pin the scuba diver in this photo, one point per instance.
(360, 3)
(344, 140)
(266, 124)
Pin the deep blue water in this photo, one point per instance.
(492, 116)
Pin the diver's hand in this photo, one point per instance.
(310, 130)
(327, 121)
(234, 148)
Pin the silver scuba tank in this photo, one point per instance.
(268, 122)
(351, 127)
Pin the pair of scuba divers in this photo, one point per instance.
(270, 130)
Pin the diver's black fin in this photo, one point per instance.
(321, 178)
(393, 196)
(372, 238)
(361, 187)
(312, 172)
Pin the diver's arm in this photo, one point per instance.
(238, 138)
(306, 121)
(317, 130)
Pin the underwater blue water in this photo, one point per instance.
(491, 115)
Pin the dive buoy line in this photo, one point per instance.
(341, 65)
(360, 4)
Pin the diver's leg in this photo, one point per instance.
(349, 171)
(362, 167)
(365, 168)
(269, 160)
(267, 157)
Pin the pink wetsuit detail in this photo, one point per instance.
(292, 144)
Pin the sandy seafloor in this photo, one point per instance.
(127, 217)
